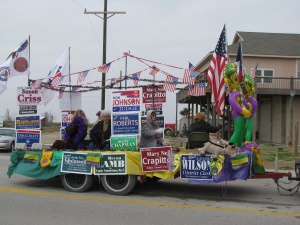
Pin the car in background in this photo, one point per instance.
(7, 138)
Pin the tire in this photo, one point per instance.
(12, 147)
(167, 131)
(152, 179)
(77, 182)
(118, 184)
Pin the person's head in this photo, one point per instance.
(105, 115)
(151, 115)
(81, 113)
(99, 115)
(201, 116)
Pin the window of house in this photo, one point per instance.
(298, 68)
(264, 76)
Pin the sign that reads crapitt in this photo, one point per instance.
(157, 92)
(125, 124)
(126, 101)
(29, 96)
(195, 167)
(28, 137)
(66, 117)
(155, 159)
(28, 122)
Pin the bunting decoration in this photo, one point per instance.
(82, 76)
(171, 83)
(104, 68)
(136, 77)
(198, 89)
(189, 75)
(61, 92)
(154, 70)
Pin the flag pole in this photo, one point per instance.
(28, 60)
(70, 79)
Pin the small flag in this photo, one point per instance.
(189, 75)
(253, 74)
(104, 68)
(61, 92)
(136, 77)
(171, 83)
(154, 70)
(198, 89)
(82, 76)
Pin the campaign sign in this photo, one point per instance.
(28, 122)
(73, 162)
(195, 167)
(156, 107)
(160, 120)
(66, 117)
(126, 101)
(28, 109)
(29, 96)
(123, 143)
(112, 164)
(155, 93)
(62, 132)
(155, 159)
(28, 137)
(125, 124)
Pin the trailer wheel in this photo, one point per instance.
(77, 182)
(118, 184)
(167, 131)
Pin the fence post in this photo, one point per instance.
(291, 110)
(296, 138)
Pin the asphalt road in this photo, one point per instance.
(25, 201)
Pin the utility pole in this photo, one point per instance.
(105, 13)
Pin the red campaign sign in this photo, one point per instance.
(155, 159)
(151, 106)
(158, 92)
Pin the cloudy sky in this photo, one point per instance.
(170, 32)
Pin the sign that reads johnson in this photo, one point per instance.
(154, 94)
(29, 96)
(126, 101)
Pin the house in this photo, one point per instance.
(277, 83)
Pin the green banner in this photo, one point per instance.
(112, 164)
(123, 143)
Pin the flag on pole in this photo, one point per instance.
(61, 92)
(154, 70)
(189, 75)
(104, 68)
(82, 76)
(171, 83)
(198, 89)
(136, 77)
(36, 84)
(18, 60)
(215, 73)
(4, 70)
(239, 63)
(55, 76)
(253, 74)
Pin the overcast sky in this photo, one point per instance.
(166, 31)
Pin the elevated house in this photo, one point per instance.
(277, 83)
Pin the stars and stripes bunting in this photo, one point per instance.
(61, 92)
(136, 77)
(82, 76)
(189, 75)
(171, 83)
(104, 68)
(154, 70)
(198, 89)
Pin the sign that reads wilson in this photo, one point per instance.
(126, 101)
(112, 164)
(123, 143)
(29, 96)
(157, 92)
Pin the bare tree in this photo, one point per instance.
(7, 116)
(48, 118)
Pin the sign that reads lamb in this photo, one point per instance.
(126, 101)
(155, 159)
(125, 124)
(120, 142)
(155, 93)
(29, 96)
(112, 164)
(195, 167)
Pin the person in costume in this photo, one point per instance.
(101, 132)
(252, 104)
(76, 131)
(151, 135)
(237, 103)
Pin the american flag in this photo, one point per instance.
(239, 63)
(56, 79)
(154, 70)
(104, 68)
(82, 76)
(253, 74)
(113, 81)
(36, 84)
(136, 77)
(198, 89)
(171, 83)
(61, 92)
(215, 73)
(189, 75)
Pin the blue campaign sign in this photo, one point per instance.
(126, 100)
(73, 162)
(160, 120)
(28, 122)
(126, 108)
(28, 137)
(195, 167)
(125, 123)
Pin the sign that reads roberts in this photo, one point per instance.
(157, 92)
(155, 159)
(29, 96)
(125, 124)
(126, 101)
